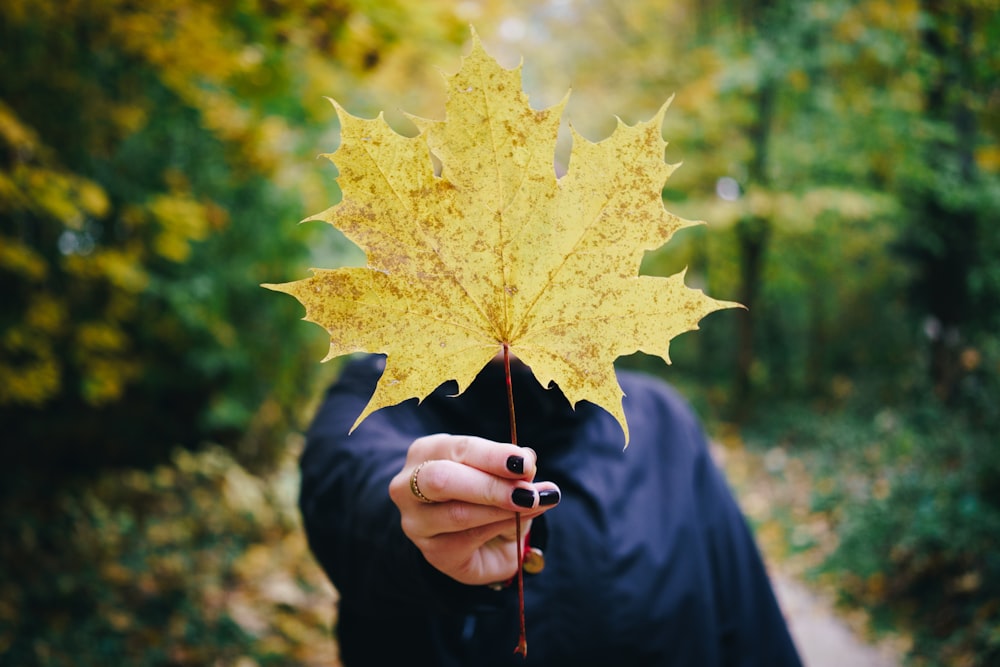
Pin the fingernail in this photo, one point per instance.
(523, 497)
(515, 464)
(548, 497)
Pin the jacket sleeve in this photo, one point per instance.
(751, 628)
(352, 525)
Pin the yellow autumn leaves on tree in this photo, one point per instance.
(496, 251)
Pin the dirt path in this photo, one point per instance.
(823, 638)
(774, 491)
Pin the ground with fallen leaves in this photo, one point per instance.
(196, 562)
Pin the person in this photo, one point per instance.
(647, 557)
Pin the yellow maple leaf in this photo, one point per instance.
(496, 251)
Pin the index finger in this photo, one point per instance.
(496, 458)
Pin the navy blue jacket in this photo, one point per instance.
(648, 560)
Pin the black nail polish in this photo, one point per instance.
(523, 497)
(515, 464)
(548, 497)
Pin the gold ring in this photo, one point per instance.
(415, 488)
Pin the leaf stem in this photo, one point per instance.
(522, 641)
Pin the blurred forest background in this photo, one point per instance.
(155, 157)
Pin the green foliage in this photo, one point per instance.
(126, 203)
(150, 160)
(821, 284)
(191, 563)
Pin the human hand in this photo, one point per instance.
(465, 525)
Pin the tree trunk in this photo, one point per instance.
(943, 284)
(753, 234)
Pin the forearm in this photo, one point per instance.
(753, 631)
